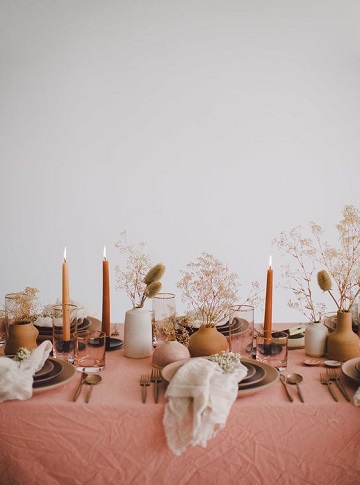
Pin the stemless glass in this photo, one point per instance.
(63, 335)
(89, 350)
(164, 318)
(241, 329)
(2, 328)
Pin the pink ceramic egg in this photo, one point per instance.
(168, 352)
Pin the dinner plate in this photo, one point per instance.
(349, 369)
(46, 369)
(357, 367)
(260, 374)
(57, 369)
(251, 371)
(85, 324)
(68, 372)
(270, 375)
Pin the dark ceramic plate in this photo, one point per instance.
(255, 379)
(48, 330)
(56, 371)
(47, 368)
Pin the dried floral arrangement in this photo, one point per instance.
(139, 280)
(209, 289)
(342, 263)
(26, 307)
(298, 279)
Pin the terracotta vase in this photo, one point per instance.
(138, 333)
(20, 335)
(343, 343)
(207, 341)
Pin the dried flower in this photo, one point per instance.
(26, 307)
(342, 264)
(131, 280)
(155, 274)
(22, 354)
(228, 361)
(298, 279)
(209, 288)
(324, 280)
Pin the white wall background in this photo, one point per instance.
(193, 125)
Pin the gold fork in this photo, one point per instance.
(144, 382)
(332, 375)
(325, 380)
(156, 378)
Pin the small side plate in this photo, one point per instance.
(332, 363)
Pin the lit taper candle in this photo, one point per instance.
(65, 299)
(106, 297)
(268, 303)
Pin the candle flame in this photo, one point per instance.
(65, 255)
(270, 262)
(104, 253)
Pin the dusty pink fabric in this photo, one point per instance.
(116, 439)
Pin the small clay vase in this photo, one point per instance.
(316, 335)
(20, 335)
(207, 341)
(343, 344)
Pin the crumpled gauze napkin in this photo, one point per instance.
(82, 313)
(356, 397)
(199, 399)
(16, 376)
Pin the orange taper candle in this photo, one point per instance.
(106, 297)
(65, 299)
(268, 303)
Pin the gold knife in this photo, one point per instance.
(78, 390)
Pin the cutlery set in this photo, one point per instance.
(331, 375)
(92, 380)
(145, 381)
(325, 378)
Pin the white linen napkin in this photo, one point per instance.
(16, 376)
(199, 399)
(46, 321)
(356, 397)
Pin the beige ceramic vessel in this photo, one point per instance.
(343, 344)
(21, 335)
(207, 341)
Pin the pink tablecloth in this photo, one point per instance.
(116, 439)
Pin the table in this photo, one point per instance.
(116, 439)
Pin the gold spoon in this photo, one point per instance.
(92, 380)
(296, 379)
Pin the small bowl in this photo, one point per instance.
(169, 352)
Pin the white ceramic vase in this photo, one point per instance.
(316, 335)
(137, 333)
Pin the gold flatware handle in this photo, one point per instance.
(156, 391)
(143, 393)
(290, 396)
(332, 391)
(78, 390)
(342, 389)
(89, 393)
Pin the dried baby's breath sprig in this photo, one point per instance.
(22, 354)
(208, 287)
(138, 263)
(228, 361)
(342, 263)
(26, 307)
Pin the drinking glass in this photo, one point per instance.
(3, 332)
(89, 355)
(241, 329)
(274, 350)
(164, 318)
(64, 322)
